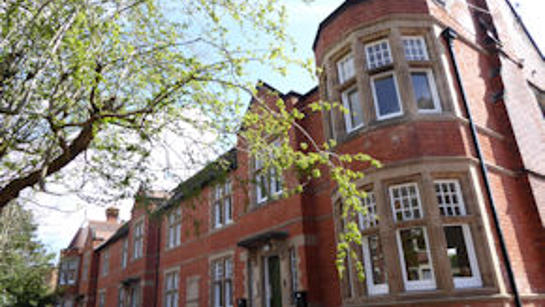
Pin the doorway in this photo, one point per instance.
(273, 287)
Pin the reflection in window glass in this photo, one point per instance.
(463, 261)
(375, 265)
(422, 91)
(457, 251)
(351, 101)
(416, 259)
(386, 96)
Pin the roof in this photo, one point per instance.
(78, 241)
(262, 238)
(121, 232)
(211, 172)
(339, 10)
(102, 230)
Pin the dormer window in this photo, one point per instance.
(345, 68)
(378, 54)
(415, 48)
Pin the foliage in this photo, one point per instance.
(24, 263)
(88, 89)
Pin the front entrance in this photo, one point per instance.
(272, 283)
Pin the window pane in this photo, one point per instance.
(449, 198)
(457, 252)
(351, 101)
(345, 68)
(378, 54)
(217, 294)
(415, 254)
(422, 91)
(405, 201)
(415, 48)
(376, 260)
(228, 209)
(387, 100)
(370, 219)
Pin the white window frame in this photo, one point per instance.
(345, 97)
(174, 228)
(221, 195)
(418, 198)
(433, 89)
(375, 99)
(273, 184)
(345, 72)
(138, 239)
(372, 288)
(370, 220)
(222, 275)
(461, 203)
(368, 56)
(474, 281)
(260, 177)
(124, 253)
(416, 285)
(419, 38)
(171, 295)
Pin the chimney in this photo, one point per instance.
(112, 214)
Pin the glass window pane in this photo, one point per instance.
(457, 252)
(422, 91)
(387, 100)
(415, 254)
(377, 260)
(351, 101)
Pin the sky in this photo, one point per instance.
(56, 228)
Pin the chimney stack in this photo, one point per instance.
(112, 214)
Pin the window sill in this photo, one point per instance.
(426, 296)
(222, 227)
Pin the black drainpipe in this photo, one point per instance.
(449, 35)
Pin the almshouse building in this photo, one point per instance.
(449, 95)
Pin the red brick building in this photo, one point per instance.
(450, 96)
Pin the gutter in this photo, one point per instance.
(449, 35)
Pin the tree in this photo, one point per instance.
(100, 82)
(24, 263)
(89, 88)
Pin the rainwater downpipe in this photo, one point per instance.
(450, 35)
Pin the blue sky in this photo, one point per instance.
(56, 228)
